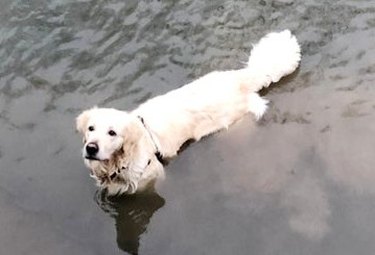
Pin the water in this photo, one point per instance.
(301, 181)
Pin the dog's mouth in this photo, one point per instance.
(92, 158)
(96, 159)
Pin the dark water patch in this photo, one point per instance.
(338, 77)
(350, 88)
(143, 98)
(325, 129)
(359, 102)
(352, 112)
(20, 159)
(360, 55)
(367, 70)
(275, 116)
(281, 3)
(339, 64)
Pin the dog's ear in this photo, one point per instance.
(82, 120)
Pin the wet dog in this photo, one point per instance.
(126, 150)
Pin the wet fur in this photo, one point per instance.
(211, 103)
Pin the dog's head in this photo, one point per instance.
(117, 149)
(103, 132)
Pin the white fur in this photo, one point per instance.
(204, 106)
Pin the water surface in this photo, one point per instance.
(300, 181)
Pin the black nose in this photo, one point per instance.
(92, 149)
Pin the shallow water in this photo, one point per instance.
(300, 181)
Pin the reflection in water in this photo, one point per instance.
(132, 214)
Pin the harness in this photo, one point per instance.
(158, 154)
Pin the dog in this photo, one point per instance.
(126, 151)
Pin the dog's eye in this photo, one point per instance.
(91, 128)
(112, 133)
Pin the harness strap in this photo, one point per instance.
(158, 154)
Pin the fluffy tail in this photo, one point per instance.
(274, 56)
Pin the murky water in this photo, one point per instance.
(301, 181)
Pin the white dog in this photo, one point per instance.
(125, 150)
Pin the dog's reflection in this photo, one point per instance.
(132, 214)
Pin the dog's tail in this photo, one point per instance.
(274, 56)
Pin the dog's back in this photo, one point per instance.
(219, 98)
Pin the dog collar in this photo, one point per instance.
(157, 153)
